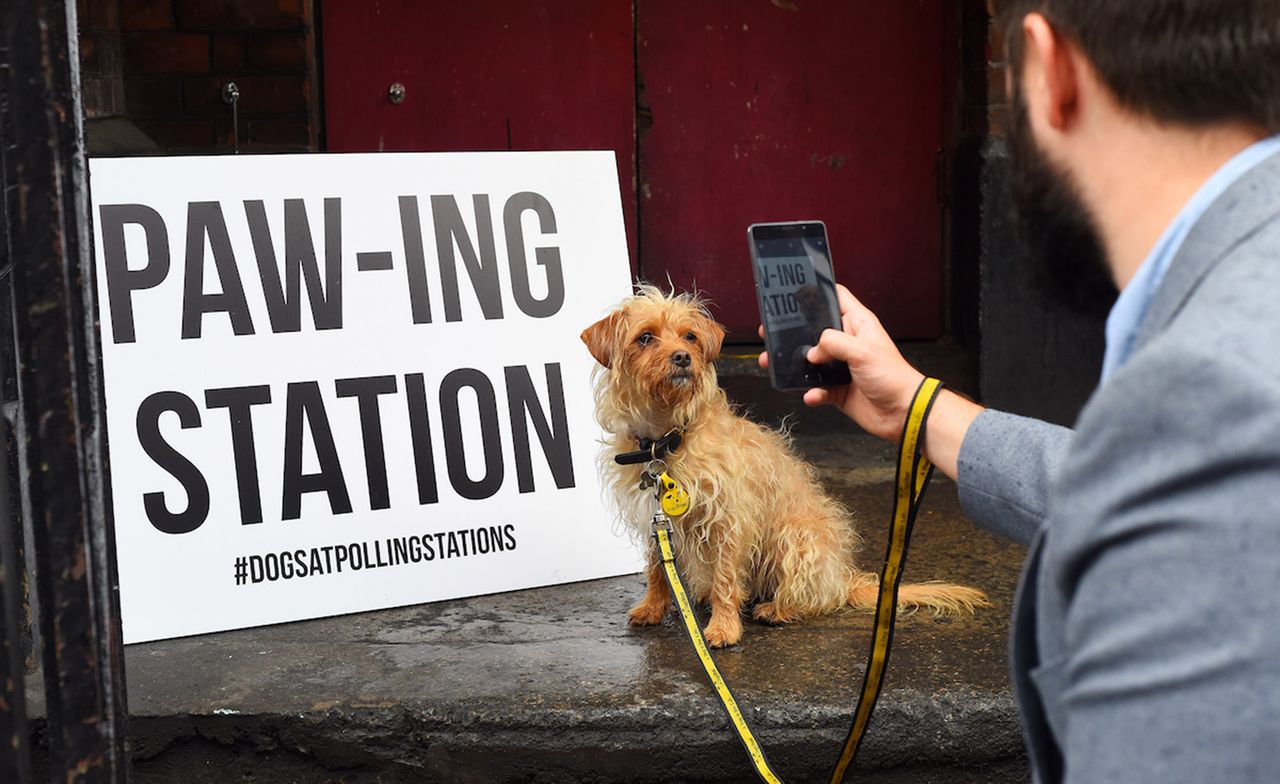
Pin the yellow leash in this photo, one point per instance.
(914, 470)
(912, 477)
(749, 741)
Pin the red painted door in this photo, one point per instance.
(483, 75)
(794, 109)
(753, 110)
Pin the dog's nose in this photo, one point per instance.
(681, 359)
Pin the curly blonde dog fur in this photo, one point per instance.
(759, 528)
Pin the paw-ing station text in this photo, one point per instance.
(310, 270)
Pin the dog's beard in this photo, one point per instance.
(675, 388)
(1069, 261)
(668, 395)
(681, 379)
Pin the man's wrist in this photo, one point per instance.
(944, 434)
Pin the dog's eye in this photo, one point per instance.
(692, 338)
(645, 338)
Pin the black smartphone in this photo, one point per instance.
(796, 289)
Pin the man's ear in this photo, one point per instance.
(600, 337)
(1052, 57)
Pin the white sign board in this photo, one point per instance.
(338, 383)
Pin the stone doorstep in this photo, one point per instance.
(551, 684)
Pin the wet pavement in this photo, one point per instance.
(551, 684)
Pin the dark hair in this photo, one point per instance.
(1191, 62)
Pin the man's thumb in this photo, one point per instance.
(834, 346)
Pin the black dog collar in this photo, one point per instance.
(651, 449)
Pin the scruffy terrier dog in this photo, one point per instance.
(759, 527)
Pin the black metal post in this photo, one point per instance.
(15, 751)
(15, 748)
(63, 456)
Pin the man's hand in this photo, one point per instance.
(883, 384)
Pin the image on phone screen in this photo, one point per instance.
(796, 289)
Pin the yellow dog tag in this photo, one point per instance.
(675, 501)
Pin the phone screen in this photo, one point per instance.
(796, 287)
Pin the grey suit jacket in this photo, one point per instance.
(1146, 635)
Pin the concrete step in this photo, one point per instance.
(551, 684)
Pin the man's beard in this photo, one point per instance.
(1070, 264)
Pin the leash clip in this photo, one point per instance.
(650, 473)
(660, 522)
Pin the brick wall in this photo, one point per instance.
(101, 72)
(178, 54)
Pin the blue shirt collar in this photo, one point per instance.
(1131, 306)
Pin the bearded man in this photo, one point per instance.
(1146, 634)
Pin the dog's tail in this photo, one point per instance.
(940, 598)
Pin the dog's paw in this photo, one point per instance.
(647, 614)
(722, 635)
(768, 613)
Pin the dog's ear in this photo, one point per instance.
(599, 337)
(715, 339)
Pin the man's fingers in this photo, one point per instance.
(854, 315)
(849, 303)
(763, 359)
(760, 331)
